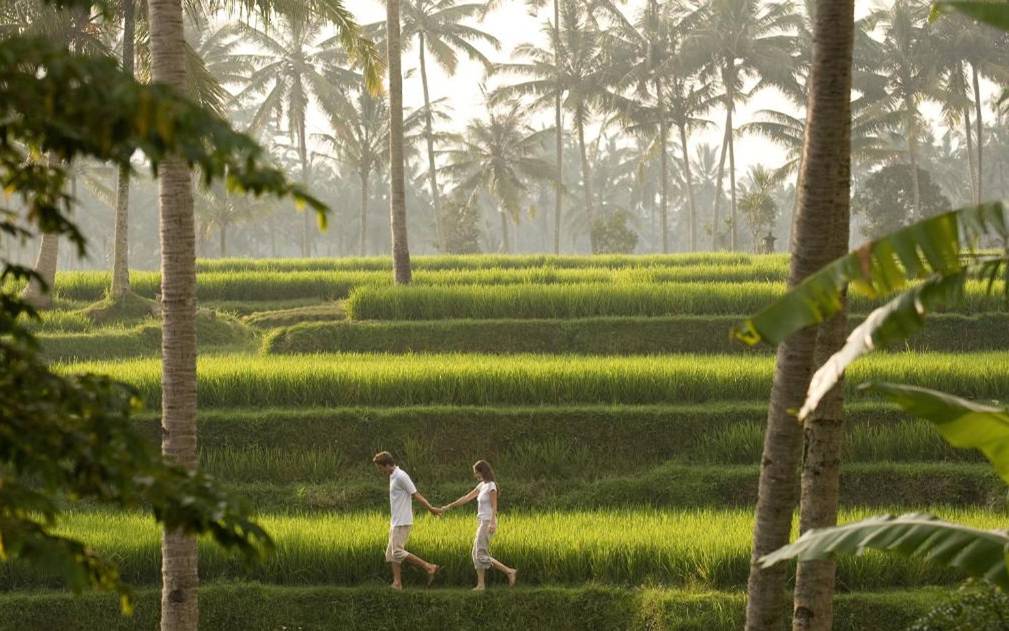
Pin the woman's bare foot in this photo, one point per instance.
(480, 588)
(432, 571)
(513, 577)
(397, 586)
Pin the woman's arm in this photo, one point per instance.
(493, 515)
(465, 499)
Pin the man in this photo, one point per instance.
(402, 492)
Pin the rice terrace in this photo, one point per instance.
(666, 315)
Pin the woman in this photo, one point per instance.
(485, 494)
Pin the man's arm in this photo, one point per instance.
(426, 504)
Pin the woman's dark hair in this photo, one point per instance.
(485, 470)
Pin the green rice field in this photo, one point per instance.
(624, 423)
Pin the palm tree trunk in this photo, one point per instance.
(397, 193)
(121, 243)
(690, 188)
(180, 578)
(715, 221)
(663, 168)
(505, 240)
(40, 294)
(429, 136)
(824, 178)
(362, 249)
(912, 154)
(824, 436)
(980, 131)
(224, 240)
(559, 184)
(971, 171)
(586, 178)
(732, 170)
(306, 235)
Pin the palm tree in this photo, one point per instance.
(179, 609)
(402, 273)
(499, 157)
(439, 29)
(360, 141)
(907, 56)
(217, 209)
(967, 51)
(741, 40)
(121, 251)
(581, 78)
(293, 68)
(211, 60)
(758, 204)
(75, 29)
(821, 232)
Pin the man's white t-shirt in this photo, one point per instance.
(401, 490)
(484, 508)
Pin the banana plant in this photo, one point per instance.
(920, 268)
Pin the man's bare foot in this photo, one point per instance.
(513, 577)
(432, 571)
(397, 586)
(479, 588)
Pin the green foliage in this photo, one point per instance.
(935, 246)
(886, 199)
(612, 235)
(977, 552)
(68, 439)
(974, 606)
(461, 223)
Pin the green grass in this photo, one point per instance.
(257, 607)
(214, 332)
(702, 549)
(391, 380)
(593, 300)
(486, 261)
(588, 336)
(669, 486)
(268, 319)
(277, 282)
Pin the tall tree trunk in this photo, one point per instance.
(121, 244)
(980, 131)
(224, 240)
(559, 181)
(716, 218)
(429, 136)
(823, 180)
(971, 171)
(663, 168)
(590, 214)
(397, 193)
(813, 608)
(732, 186)
(362, 249)
(306, 235)
(179, 573)
(505, 240)
(690, 188)
(912, 154)
(40, 294)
